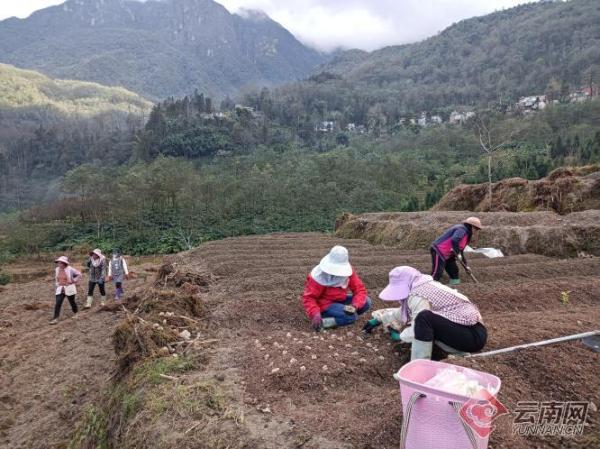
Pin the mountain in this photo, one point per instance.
(21, 89)
(29, 99)
(544, 47)
(157, 48)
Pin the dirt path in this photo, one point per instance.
(49, 374)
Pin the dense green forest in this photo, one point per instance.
(197, 171)
(50, 126)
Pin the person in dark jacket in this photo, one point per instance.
(450, 246)
(97, 265)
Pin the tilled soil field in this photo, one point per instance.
(335, 388)
(289, 386)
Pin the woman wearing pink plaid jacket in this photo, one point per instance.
(434, 313)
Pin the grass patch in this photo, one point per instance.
(131, 403)
(92, 431)
(150, 371)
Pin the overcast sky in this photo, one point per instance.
(327, 24)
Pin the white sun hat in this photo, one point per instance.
(336, 262)
(97, 252)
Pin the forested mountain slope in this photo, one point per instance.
(156, 48)
(531, 49)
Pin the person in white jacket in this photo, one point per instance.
(65, 280)
(118, 272)
(429, 311)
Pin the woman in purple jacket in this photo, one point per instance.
(450, 246)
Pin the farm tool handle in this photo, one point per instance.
(537, 343)
(468, 270)
(409, 409)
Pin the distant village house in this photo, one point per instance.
(325, 127)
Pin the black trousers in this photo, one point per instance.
(429, 326)
(438, 265)
(91, 286)
(59, 302)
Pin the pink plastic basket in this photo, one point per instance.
(431, 417)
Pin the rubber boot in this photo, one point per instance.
(395, 335)
(421, 350)
(329, 323)
(454, 282)
(88, 303)
(102, 301)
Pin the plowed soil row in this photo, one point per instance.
(335, 389)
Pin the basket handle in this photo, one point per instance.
(409, 409)
(457, 406)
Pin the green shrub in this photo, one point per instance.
(4, 278)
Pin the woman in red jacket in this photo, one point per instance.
(326, 297)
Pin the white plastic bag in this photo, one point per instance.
(453, 381)
(492, 253)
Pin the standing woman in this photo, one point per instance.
(65, 278)
(117, 272)
(97, 265)
(450, 246)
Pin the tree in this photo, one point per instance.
(342, 139)
(199, 101)
(88, 182)
(492, 137)
(591, 76)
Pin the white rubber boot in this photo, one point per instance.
(88, 303)
(421, 350)
(102, 301)
(329, 323)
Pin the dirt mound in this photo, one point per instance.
(545, 233)
(155, 327)
(183, 269)
(565, 190)
(164, 334)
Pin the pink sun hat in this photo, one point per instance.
(63, 259)
(401, 281)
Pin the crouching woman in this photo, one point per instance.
(334, 295)
(434, 313)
